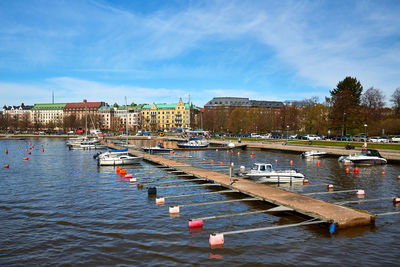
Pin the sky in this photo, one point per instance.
(160, 51)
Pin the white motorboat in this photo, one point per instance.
(314, 154)
(117, 158)
(87, 145)
(193, 144)
(366, 157)
(263, 172)
(159, 148)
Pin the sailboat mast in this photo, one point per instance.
(126, 120)
(85, 101)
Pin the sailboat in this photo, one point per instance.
(85, 143)
(118, 157)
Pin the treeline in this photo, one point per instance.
(348, 110)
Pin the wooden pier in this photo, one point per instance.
(343, 217)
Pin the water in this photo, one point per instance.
(59, 208)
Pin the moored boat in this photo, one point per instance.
(264, 172)
(159, 148)
(314, 154)
(193, 144)
(365, 157)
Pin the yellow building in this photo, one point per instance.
(166, 116)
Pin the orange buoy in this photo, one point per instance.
(347, 170)
(318, 163)
(276, 161)
(122, 171)
(346, 164)
(238, 152)
(305, 181)
(291, 162)
(26, 158)
(216, 150)
(118, 169)
(212, 161)
(197, 157)
(383, 172)
(180, 155)
(396, 200)
(204, 159)
(29, 153)
(6, 151)
(221, 163)
(184, 155)
(6, 166)
(356, 170)
(42, 150)
(171, 152)
(330, 186)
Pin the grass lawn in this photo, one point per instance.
(389, 146)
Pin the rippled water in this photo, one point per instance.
(59, 207)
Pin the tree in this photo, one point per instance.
(115, 105)
(372, 105)
(345, 99)
(396, 101)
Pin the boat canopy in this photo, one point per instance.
(119, 150)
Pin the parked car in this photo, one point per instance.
(342, 138)
(396, 139)
(312, 137)
(359, 138)
(379, 139)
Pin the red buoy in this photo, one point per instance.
(195, 223)
(6, 151)
(6, 166)
(29, 153)
(383, 172)
(26, 158)
(356, 170)
(42, 150)
(291, 162)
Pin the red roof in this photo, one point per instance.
(82, 105)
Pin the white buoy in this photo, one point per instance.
(242, 168)
(360, 192)
(132, 180)
(216, 240)
(174, 210)
(160, 201)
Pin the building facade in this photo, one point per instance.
(166, 116)
(18, 112)
(242, 102)
(48, 113)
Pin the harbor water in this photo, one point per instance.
(60, 208)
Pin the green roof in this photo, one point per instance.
(49, 106)
(166, 106)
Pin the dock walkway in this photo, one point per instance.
(343, 217)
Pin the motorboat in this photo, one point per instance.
(117, 158)
(193, 143)
(114, 151)
(87, 145)
(366, 157)
(314, 154)
(159, 148)
(264, 173)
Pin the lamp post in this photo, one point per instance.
(287, 133)
(231, 146)
(366, 133)
(149, 138)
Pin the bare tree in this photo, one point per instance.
(396, 101)
(372, 102)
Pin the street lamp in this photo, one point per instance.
(149, 138)
(366, 134)
(231, 146)
(287, 133)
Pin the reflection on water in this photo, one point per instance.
(60, 207)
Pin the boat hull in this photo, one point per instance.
(119, 161)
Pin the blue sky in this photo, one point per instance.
(159, 51)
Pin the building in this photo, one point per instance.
(48, 113)
(106, 116)
(22, 112)
(167, 116)
(132, 113)
(242, 102)
(82, 111)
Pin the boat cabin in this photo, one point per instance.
(262, 167)
(371, 152)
